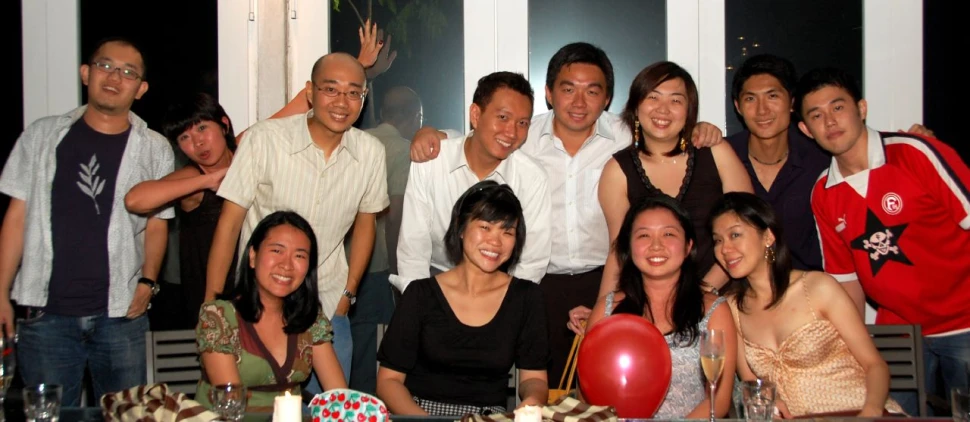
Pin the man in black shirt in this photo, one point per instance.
(85, 268)
(782, 162)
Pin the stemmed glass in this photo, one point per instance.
(229, 401)
(712, 359)
(8, 363)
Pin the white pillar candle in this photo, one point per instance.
(528, 414)
(287, 408)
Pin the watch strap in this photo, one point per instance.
(351, 296)
(150, 283)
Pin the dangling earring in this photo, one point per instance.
(770, 254)
(636, 133)
(683, 144)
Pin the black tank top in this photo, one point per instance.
(196, 229)
(698, 192)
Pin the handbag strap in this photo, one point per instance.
(571, 364)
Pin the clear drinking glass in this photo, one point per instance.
(229, 401)
(960, 404)
(42, 402)
(8, 364)
(758, 397)
(712, 359)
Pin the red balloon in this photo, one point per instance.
(624, 362)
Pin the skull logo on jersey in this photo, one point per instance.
(880, 243)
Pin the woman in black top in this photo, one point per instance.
(455, 336)
(661, 113)
(201, 129)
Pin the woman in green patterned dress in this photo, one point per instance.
(268, 331)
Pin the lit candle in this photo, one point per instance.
(528, 414)
(287, 408)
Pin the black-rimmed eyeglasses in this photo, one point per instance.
(352, 95)
(110, 68)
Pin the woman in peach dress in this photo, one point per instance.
(798, 329)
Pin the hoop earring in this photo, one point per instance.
(636, 133)
(770, 254)
(683, 144)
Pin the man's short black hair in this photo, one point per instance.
(817, 79)
(580, 52)
(764, 64)
(492, 82)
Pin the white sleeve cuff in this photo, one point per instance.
(451, 133)
(845, 278)
(965, 223)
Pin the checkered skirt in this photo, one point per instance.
(437, 408)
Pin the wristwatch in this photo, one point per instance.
(151, 283)
(351, 296)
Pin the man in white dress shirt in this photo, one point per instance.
(500, 116)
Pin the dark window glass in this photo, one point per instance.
(428, 36)
(945, 92)
(632, 32)
(809, 33)
(12, 28)
(179, 40)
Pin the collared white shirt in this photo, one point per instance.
(580, 238)
(435, 186)
(278, 167)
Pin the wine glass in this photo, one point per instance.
(229, 401)
(8, 363)
(712, 359)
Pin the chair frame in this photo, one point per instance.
(901, 346)
(172, 358)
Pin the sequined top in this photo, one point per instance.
(688, 388)
(813, 368)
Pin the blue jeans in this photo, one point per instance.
(343, 346)
(948, 356)
(375, 305)
(55, 349)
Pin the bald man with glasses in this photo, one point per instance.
(318, 165)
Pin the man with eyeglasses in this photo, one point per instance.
(318, 165)
(87, 268)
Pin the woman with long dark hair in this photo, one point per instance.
(267, 331)
(658, 280)
(796, 328)
(455, 336)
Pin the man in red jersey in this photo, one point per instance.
(893, 216)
